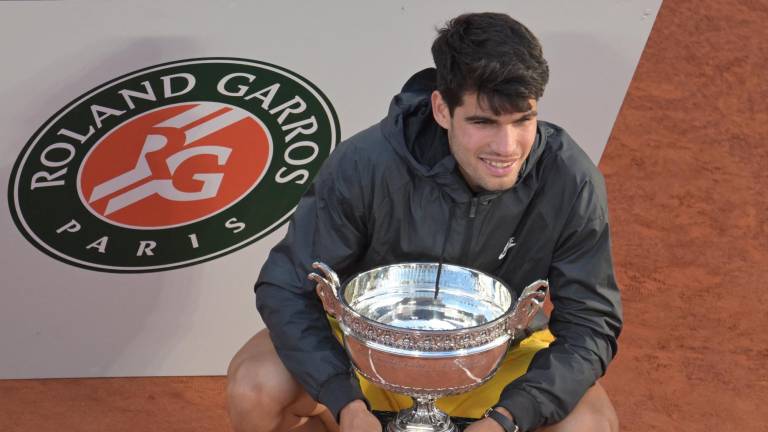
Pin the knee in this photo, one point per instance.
(594, 413)
(606, 425)
(612, 421)
(595, 421)
(249, 384)
(254, 398)
(604, 420)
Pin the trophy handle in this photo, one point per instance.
(527, 305)
(327, 288)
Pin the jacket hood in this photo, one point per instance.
(416, 137)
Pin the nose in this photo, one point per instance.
(505, 142)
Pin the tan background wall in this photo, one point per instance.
(58, 320)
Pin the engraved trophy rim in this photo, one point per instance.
(342, 299)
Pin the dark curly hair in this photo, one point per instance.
(493, 55)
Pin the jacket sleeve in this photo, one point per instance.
(328, 225)
(586, 319)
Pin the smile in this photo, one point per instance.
(498, 164)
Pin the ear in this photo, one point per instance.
(440, 110)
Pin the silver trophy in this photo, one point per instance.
(403, 336)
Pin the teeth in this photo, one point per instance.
(498, 164)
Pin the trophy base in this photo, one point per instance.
(423, 416)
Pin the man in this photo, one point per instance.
(459, 170)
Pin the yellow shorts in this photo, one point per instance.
(471, 404)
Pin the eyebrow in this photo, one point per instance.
(527, 115)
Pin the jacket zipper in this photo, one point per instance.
(442, 253)
(473, 208)
(470, 225)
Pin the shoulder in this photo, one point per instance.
(565, 155)
(566, 167)
(564, 159)
(365, 155)
(359, 165)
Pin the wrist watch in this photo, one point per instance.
(506, 423)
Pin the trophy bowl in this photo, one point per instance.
(403, 337)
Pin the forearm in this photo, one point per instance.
(304, 342)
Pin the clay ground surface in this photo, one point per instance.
(687, 172)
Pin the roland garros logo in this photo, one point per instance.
(172, 165)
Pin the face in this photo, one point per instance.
(490, 149)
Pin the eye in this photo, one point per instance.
(481, 121)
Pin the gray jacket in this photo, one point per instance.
(393, 193)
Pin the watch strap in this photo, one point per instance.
(506, 423)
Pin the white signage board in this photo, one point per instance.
(59, 319)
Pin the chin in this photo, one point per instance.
(498, 185)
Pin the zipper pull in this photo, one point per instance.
(473, 208)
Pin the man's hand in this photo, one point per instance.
(487, 424)
(355, 417)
